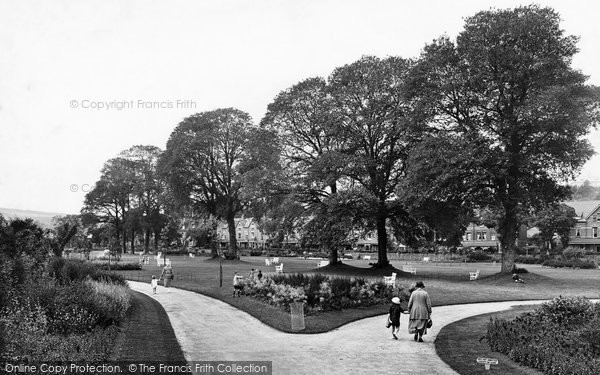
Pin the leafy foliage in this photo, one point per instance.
(319, 292)
(560, 337)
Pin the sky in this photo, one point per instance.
(80, 81)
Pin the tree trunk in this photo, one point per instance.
(382, 239)
(146, 239)
(232, 237)
(508, 236)
(132, 241)
(333, 256)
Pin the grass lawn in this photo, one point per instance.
(447, 283)
(459, 345)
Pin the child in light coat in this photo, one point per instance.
(154, 284)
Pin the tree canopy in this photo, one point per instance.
(508, 115)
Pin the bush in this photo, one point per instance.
(478, 256)
(560, 337)
(67, 271)
(573, 253)
(118, 266)
(319, 292)
(573, 263)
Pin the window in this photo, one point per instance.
(468, 236)
(595, 232)
(577, 233)
(481, 236)
(493, 237)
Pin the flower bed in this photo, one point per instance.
(319, 292)
(560, 337)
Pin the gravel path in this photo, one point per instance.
(210, 330)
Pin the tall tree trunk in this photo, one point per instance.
(232, 237)
(124, 248)
(132, 241)
(508, 229)
(333, 256)
(382, 237)
(146, 239)
(156, 239)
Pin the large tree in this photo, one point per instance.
(207, 162)
(303, 119)
(376, 129)
(508, 116)
(555, 219)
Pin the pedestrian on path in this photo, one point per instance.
(237, 284)
(394, 317)
(167, 275)
(419, 306)
(154, 284)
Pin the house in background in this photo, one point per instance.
(585, 233)
(480, 236)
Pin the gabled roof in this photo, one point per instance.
(584, 209)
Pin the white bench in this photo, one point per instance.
(323, 263)
(474, 275)
(268, 262)
(366, 257)
(425, 259)
(409, 269)
(279, 268)
(390, 280)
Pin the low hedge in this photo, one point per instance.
(560, 337)
(569, 263)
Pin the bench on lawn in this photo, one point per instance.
(409, 269)
(426, 259)
(366, 257)
(279, 268)
(323, 263)
(474, 275)
(390, 280)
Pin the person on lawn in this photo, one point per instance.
(237, 284)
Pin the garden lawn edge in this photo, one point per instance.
(147, 334)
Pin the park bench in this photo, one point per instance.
(426, 259)
(390, 280)
(279, 268)
(409, 269)
(323, 263)
(474, 275)
(268, 262)
(366, 257)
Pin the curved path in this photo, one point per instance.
(210, 330)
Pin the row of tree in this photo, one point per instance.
(494, 120)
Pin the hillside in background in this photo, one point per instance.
(42, 218)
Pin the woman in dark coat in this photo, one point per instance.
(419, 306)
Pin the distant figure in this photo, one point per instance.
(394, 317)
(237, 284)
(167, 275)
(259, 275)
(154, 284)
(419, 306)
(251, 274)
(517, 279)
